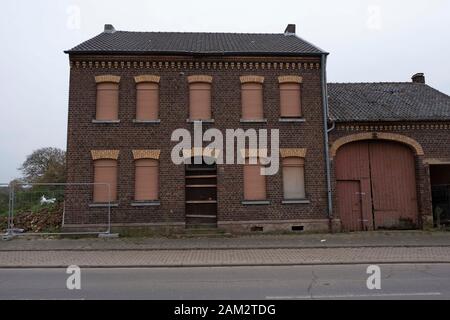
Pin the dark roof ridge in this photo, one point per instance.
(375, 82)
(204, 32)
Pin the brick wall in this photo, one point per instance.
(83, 135)
(432, 138)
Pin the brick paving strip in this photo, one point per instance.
(214, 257)
(340, 240)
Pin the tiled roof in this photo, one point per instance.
(126, 42)
(405, 101)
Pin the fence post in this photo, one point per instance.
(10, 222)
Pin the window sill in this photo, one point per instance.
(145, 203)
(103, 205)
(202, 121)
(156, 121)
(293, 119)
(298, 201)
(255, 202)
(253, 120)
(105, 121)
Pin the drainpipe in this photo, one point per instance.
(326, 131)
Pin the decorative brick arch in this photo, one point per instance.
(413, 144)
(105, 154)
(199, 78)
(249, 79)
(199, 152)
(107, 78)
(290, 79)
(147, 78)
(146, 154)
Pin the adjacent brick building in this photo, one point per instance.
(130, 90)
(390, 154)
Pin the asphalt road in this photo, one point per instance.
(399, 281)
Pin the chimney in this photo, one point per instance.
(418, 78)
(290, 30)
(109, 28)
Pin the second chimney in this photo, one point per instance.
(109, 28)
(418, 78)
(290, 29)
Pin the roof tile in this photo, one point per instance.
(126, 42)
(405, 101)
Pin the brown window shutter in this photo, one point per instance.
(290, 100)
(252, 101)
(254, 182)
(293, 178)
(146, 180)
(147, 101)
(105, 171)
(107, 101)
(200, 101)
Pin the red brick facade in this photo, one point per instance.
(427, 140)
(126, 135)
(205, 85)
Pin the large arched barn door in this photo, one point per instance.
(376, 186)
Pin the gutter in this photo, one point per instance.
(190, 53)
(326, 131)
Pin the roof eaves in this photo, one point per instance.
(212, 53)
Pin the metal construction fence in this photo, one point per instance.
(54, 209)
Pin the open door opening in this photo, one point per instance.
(440, 192)
(201, 195)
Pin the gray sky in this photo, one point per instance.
(368, 41)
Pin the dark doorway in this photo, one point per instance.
(440, 191)
(201, 195)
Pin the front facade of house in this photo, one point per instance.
(125, 105)
(129, 91)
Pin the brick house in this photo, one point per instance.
(129, 91)
(390, 154)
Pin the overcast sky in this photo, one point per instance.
(368, 41)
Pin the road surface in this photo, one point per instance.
(398, 281)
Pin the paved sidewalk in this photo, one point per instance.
(213, 257)
(352, 248)
(339, 240)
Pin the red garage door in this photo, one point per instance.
(378, 179)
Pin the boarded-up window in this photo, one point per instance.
(252, 101)
(107, 101)
(254, 182)
(290, 100)
(200, 101)
(293, 178)
(105, 171)
(146, 180)
(147, 101)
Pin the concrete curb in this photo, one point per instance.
(224, 265)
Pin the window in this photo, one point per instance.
(200, 97)
(107, 108)
(290, 96)
(105, 171)
(147, 98)
(252, 97)
(146, 180)
(293, 178)
(254, 182)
